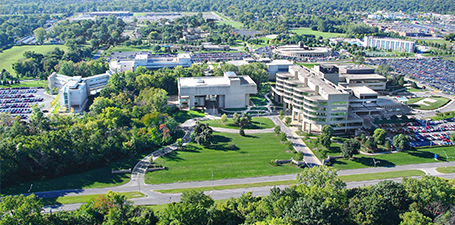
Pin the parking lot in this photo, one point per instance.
(432, 132)
(19, 101)
(437, 73)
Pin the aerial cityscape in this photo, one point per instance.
(222, 112)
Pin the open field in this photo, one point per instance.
(96, 178)
(85, 198)
(301, 31)
(347, 178)
(381, 175)
(447, 169)
(33, 83)
(249, 158)
(10, 56)
(123, 48)
(422, 155)
(234, 24)
(225, 18)
(427, 103)
(257, 123)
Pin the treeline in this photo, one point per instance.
(102, 31)
(14, 27)
(67, 63)
(120, 124)
(319, 197)
(261, 7)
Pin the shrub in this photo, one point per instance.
(298, 156)
(287, 121)
(281, 113)
(277, 129)
(241, 131)
(232, 146)
(273, 163)
(223, 118)
(290, 146)
(283, 137)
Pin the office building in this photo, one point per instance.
(150, 62)
(228, 91)
(302, 50)
(390, 44)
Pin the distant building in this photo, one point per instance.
(108, 13)
(389, 44)
(73, 91)
(150, 62)
(302, 50)
(215, 47)
(228, 91)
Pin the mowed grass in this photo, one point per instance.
(259, 100)
(85, 198)
(257, 123)
(309, 65)
(249, 158)
(10, 56)
(234, 24)
(447, 169)
(450, 58)
(123, 48)
(96, 178)
(301, 31)
(440, 101)
(423, 155)
(381, 175)
(232, 186)
(32, 83)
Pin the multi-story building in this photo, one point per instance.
(302, 50)
(316, 97)
(390, 44)
(73, 91)
(150, 62)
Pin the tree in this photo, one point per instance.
(414, 85)
(202, 134)
(309, 211)
(325, 138)
(401, 141)
(379, 136)
(349, 148)
(277, 129)
(40, 34)
(241, 131)
(223, 118)
(154, 98)
(283, 137)
(414, 218)
(387, 146)
(20, 210)
(320, 176)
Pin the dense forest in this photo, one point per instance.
(262, 7)
(319, 197)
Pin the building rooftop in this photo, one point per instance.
(362, 76)
(363, 90)
(280, 62)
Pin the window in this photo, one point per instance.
(339, 103)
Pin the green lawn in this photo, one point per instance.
(381, 175)
(257, 123)
(442, 116)
(447, 169)
(450, 58)
(414, 89)
(320, 151)
(33, 83)
(85, 198)
(96, 178)
(182, 116)
(234, 24)
(232, 186)
(225, 18)
(423, 155)
(309, 65)
(10, 56)
(301, 31)
(259, 100)
(440, 101)
(250, 158)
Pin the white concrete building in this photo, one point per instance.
(390, 44)
(228, 91)
(302, 50)
(150, 62)
(73, 91)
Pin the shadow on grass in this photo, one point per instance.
(99, 177)
(220, 139)
(174, 155)
(367, 161)
(425, 154)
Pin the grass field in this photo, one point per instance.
(257, 123)
(10, 56)
(428, 105)
(442, 116)
(96, 178)
(381, 175)
(249, 158)
(85, 198)
(309, 65)
(127, 49)
(33, 83)
(301, 31)
(414, 90)
(259, 100)
(450, 58)
(225, 18)
(424, 155)
(447, 169)
(234, 24)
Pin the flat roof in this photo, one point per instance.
(280, 62)
(316, 80)
(212, 81)
(363, 90)
(371, 76)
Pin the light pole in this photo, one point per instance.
(212, 179)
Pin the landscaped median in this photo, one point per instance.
(347, 178)
(256, 123)
(447, 169)
(427, 103)
(85, 198)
